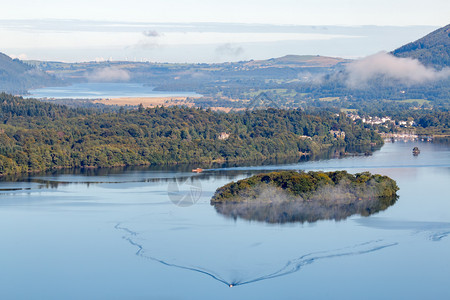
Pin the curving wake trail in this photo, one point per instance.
(292, 266)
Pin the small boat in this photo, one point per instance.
(416, 151)
(198, 170)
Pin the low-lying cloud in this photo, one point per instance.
(151, 33)
(402, 70)
(229, 49)
(108, 74)
(150, 41)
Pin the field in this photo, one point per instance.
(281, 92)
(349, 110)
(146, 101)
(329, 99)
(419, 101)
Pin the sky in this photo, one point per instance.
(211, 31)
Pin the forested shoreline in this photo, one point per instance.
(38, 136)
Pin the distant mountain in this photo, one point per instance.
(17, 77)
(432, 50)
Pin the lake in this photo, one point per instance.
(95, 90)
(152, 234)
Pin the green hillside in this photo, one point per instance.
(18, 77)
(432, 50)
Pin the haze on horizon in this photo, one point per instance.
(211, 31)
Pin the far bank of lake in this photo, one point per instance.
(102, 90)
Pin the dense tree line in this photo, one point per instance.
(427, 119)
(311, 186)
(39, 136)
(291, 196)
(335, 85)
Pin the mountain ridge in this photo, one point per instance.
(17, 76)
(431, 50)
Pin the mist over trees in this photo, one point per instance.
(290, 196)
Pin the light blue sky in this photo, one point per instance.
(303, 12)
(209, 31)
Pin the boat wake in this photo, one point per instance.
(436, 231)
(291, 266)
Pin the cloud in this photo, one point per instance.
(229, 49)
(402, 70)
(150, 41)
(21, 56)
(193, 74)
(108, 74)
(151, 33)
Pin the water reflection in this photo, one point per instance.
(291, 211)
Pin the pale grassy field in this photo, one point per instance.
(327, 99)
(146, 101)
(157, 101)
(226, 109)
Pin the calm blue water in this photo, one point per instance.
(93, 90)
(122, 237)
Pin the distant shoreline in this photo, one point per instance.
(104, 90)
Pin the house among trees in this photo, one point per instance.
(338, 134)
(223, 136)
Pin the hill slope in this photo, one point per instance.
(18, 77)
(432, 50)
(290, 61)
